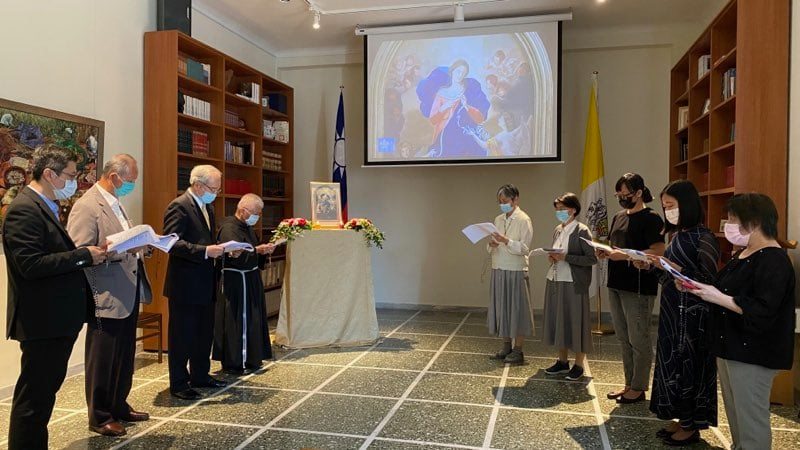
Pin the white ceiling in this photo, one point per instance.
(285, 28)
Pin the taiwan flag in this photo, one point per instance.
(339, 163)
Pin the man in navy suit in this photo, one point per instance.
(191, 283)
(48, 296)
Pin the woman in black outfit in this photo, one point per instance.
(752, 320)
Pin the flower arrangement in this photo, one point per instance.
(290, 229)
(371, 233)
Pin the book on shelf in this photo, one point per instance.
(250, 91)
(193, 142)
(194, 69)
(183, 177)
(274, 185)
(195, 107)
(240, 152)
(733, 132)
(281, 130)
(232, 119)
(278, 102)
(683, 150)
(706, 106)
(683, 117)
(729, 84)
(703, 65)
(271, 160)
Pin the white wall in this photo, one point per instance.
(426, 260)
(85, 57)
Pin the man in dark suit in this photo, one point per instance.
(119, 287)
(48, 296)
(191, 283)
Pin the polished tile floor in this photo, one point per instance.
(427, 384)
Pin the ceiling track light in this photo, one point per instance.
(316, 19)
(458, 13)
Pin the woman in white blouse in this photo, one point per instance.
(566, 295)
(509, 307)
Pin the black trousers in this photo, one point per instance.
(191, 333)
(44, 366)
(110, 354)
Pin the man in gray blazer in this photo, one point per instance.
(118, 287)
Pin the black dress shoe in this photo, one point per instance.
(187, 394)
(692, 439)
(237, 372)
(211, 383)
(663, 433)
(622, 400)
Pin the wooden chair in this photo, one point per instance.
(151, 321)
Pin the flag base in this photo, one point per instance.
(602, 330)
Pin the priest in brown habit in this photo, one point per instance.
(241, 336)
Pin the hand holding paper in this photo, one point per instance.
(685, 281)
(546, 251)
(479, 231)
(233, 246)
(140, 236)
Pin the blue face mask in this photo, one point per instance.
(562, 216)
(506, 207)
(125, 189)
(208, 198)
(251, 220)
(67, 191)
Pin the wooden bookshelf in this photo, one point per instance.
(162, 160)
(746, 130)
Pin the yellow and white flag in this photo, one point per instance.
(593, 189)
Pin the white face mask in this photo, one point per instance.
(734, 235)
(69, 189)
(672, 215)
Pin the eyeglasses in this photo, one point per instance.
(213, 190)
(621, 196)
(70, 176)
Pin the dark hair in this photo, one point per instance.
(569, 200)
(634, 182)
(458, 63)
(51, 157)
(508, 191)
(755, 210)
(690, 206)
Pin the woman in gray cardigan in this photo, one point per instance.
(566, 297)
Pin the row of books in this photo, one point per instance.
(272, 161)
(183, 177)
(272, 215)
(683, 150)
(729, 84)
(250, 91)
(194, 69)
(277, 102)
(683, 117)
(192, 141)
(195, 107)
(703, 66)
(241, 153)
(232, 119)
(274, 185)
(272, 275)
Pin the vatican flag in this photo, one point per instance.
(593, 191)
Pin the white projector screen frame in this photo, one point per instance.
(474, 30)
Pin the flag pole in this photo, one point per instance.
(599, 329)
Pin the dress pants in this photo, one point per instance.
(44, 366)
(191, 334)
(110, 354)
(745, 391)
(631, 314)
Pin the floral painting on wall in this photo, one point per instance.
(24, 128)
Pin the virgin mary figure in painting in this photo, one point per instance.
(456, 107)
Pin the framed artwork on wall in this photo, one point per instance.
(326, 204)
(24, 128)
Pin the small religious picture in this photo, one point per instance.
(326, 204)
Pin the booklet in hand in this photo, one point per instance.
(686, 281)
(233, 246)
(636, 255)
(140, 236)
(546, 251)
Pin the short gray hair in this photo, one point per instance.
(251, 200)
(203, 174)
(120, 164)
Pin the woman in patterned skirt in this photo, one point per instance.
(685, 376)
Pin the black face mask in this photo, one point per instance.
(627, 203)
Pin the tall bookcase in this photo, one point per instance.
(166, 162)
(736, 137)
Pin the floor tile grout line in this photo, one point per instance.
(295, 405)
(487, 439)
(721, 437)
(601, 422)
(460, 352)
(60, 419)
(432, 444)
(382, 424)
(197, 403)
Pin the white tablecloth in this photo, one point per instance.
(327, 296)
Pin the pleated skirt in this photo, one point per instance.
(566, 317)
(510, 314)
